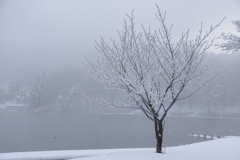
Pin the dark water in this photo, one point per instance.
(28, 131)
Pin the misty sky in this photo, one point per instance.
(38, 34)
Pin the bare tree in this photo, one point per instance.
(232, 42)
(151, 69)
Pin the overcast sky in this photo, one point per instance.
(37, 34)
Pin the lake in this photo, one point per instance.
(42, 131)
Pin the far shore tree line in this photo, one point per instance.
(61, 91)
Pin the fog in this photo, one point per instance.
(43, 44)
(36, 36)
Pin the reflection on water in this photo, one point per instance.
(32, 131)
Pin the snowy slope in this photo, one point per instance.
(219, 149)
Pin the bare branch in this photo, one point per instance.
(149, 68)
(231, 41)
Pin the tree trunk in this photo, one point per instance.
(158, 126)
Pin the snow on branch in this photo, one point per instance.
(150, 68)
(116, 104)
(231, 41)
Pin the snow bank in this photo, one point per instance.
(12, 106)
(219, 149)
(51, 155)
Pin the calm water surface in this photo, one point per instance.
(32, 131)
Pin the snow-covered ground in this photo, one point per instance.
(219, 149)
(11, 105)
